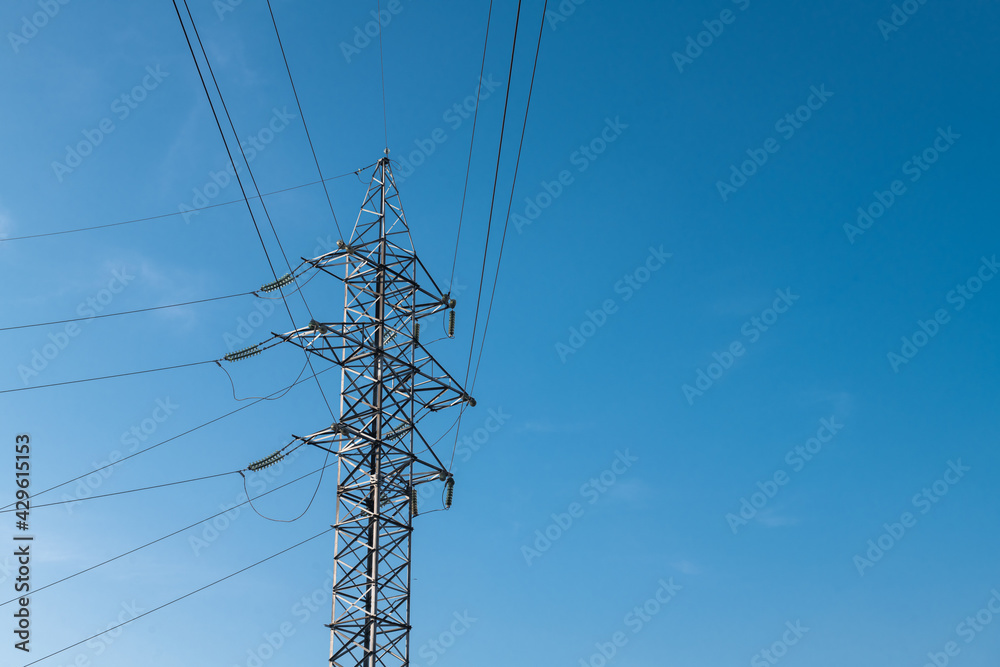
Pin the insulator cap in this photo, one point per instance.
(277, 284)
(397, 432)
(266, 462)
(341, 245)
(449, 492)
(245, 353)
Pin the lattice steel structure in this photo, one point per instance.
(389, 381)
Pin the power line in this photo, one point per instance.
(263, 398)
(263, 245)
(218, 123)
(179, 435)
(319, 482)
(503, 237)
(472, 143)
(222, 133)
(253, 179)
(232, 126)
(128, 312)
(267, 215)
(169, 535)
(517, 164)
(186, 595)
(381, 65)
(176, 213)
(298, 286)
(303, 117)
(496, 176)
(120, 493)
(107, 377)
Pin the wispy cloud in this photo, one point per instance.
(687, 567)
(634, 491)
(231, 53)
(6, 223)
(838, 402)
(163, 284)
(772, 519)
(550, 427)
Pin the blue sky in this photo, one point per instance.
(688, 307)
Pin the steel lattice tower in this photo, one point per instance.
(389, 381)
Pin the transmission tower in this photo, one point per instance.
(389, 381)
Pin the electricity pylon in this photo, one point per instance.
(389, 381)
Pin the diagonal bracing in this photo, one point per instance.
(389, 381)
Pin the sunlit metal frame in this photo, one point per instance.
(389, 381)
